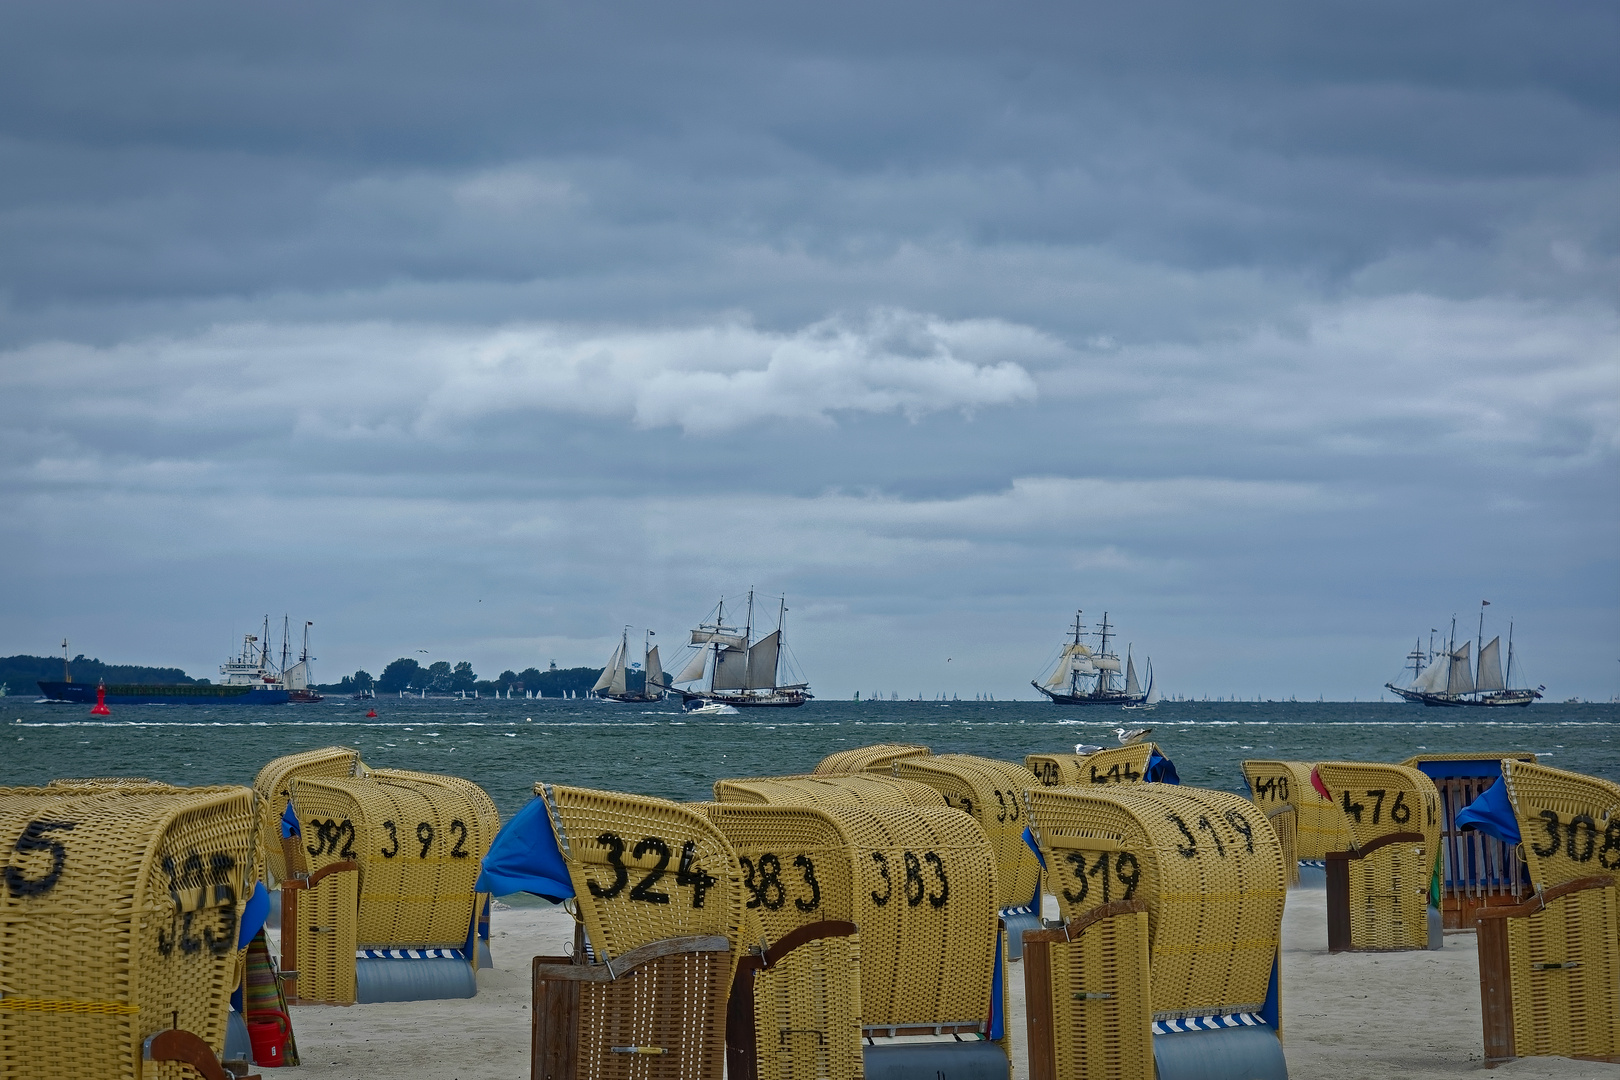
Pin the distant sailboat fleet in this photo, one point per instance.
(1449, 678)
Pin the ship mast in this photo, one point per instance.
(67, 676)
(1074, 676)
(1479, 648)
(1104, 679)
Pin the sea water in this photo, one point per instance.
(506, 746)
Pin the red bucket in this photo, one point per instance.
(268, 1031)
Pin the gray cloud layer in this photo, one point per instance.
(1289, 326)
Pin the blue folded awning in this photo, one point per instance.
(525, 858)
(1491, 814)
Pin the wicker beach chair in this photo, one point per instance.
(659, 902)
(418, 840)
(1318, 825)
(831, 789)
(119, 913)
(1549, 969)
(270, 786)
(875, 758)
(1117, 765)
(1380, 890)
(1209, 869)
(1477, 870)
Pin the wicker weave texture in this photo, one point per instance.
(645, 869)
(876, 758)
(863, 789)
(419, 839)
(676, 1004)
(1389, 898)
(807, 1013)
(1102, 1001)
(1118, 765)
(992, 793)
(1565, 965)
(1283, 820)
(1570, 822)
(118, 917)
(99, 781)
(918, 881)
(271, 788)
(1318, 826)
(1206, 862)
(328, 923)
(1375, 800)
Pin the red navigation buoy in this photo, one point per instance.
(100, 707)
(371, 715)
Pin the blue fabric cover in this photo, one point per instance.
(1029, 838)
(1160, 770)
(998, 1023)
(1491, 814)
(254, 915)
(289, 822)
(525, 858)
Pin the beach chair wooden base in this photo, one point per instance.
(657, 1012)
(1087, 996)
(1381, 924)
(778, 1026)
(317, 935)
(1549, 973)
(175, 1044)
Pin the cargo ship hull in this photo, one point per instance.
(171, 694)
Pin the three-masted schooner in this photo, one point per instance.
(1086, 677)
(742, 671)
(1450, 678)
(619, 683)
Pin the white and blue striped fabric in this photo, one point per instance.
(410, 954)
(1207, 1023)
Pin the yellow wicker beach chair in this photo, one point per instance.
(795, 1008)
(1549, 969)
(1379, 891)
(876, 758)
(918, 881)
(1087, 996)
(659, 903)
(119, 910)
(1476, 870)
(840, 789)
(1118, 765)
(1284, 821)
(270, 786)
(101, 781)
(992, 793)
(1318, 825)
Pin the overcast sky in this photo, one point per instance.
(1281, 332)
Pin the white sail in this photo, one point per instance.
(1105, 663)
(297, 676)
(762, 661)
(614, 672)
(1153, 691)
(1132, 687)
(694, 669)
(731, 671)
(1490, 667)
(730, 641)
(1060, 677)
(655, 671)
(1461, 678)
(1433, 679)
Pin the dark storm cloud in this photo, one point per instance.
(1231, 314)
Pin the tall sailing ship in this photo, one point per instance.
(743, 672)
(1450, 677)
(1084, 676)
(620, 683)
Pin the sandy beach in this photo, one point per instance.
(1345, 1017)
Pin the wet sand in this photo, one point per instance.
(1346, 1017)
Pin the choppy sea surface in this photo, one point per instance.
(506, 746)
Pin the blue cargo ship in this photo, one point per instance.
(251, 678)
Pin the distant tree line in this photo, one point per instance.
(24, 673)
(406, 675)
